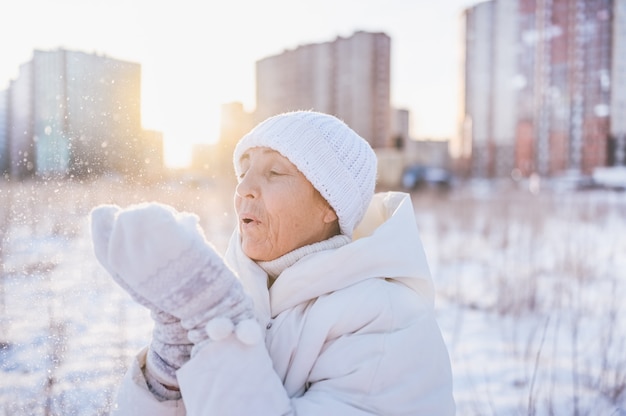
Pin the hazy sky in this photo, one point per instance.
(196, 55)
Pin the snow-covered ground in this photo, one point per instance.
(530, 295)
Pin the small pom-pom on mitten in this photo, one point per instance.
(218, 329)
(249, 332)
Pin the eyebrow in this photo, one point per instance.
(246, 155)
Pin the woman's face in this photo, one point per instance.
(278, 209)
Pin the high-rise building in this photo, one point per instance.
(489, 108)
(348, 77)
(478, 106)
(538, 85)
(20, 132)
(75, 113)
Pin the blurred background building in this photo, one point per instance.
(216, 159)
(348, 77)
(544, 87)
(73, 113)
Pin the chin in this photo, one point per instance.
(254, 254)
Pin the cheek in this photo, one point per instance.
(293, 215)
(278, 218)
(283, 221)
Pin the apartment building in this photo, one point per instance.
(542, 86)
(349, 77)
(73, 113)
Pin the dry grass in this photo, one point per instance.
(549, 270)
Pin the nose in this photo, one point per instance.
(247, 187)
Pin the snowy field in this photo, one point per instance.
(530, 288)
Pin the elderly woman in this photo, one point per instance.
(323, 304)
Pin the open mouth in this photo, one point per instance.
(248, 219)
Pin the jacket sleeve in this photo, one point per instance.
(134, 398)
(228, 377)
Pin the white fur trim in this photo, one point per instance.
(249, 332)
(219, 328)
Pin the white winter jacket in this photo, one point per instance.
(350, 331)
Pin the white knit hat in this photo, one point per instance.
(339, 163)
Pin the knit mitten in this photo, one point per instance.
(160, 256)
(169, 349)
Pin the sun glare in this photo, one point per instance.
(184, 117)
(182, 97)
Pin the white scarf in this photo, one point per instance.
(257, 277)
(275, 267)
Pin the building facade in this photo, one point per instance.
(73, 113)
(20, 130)
(477, 106)
(348, 77)
(538, 86)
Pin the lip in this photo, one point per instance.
(248, 220)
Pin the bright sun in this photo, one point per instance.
(184, 100)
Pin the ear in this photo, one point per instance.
(329, 215)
